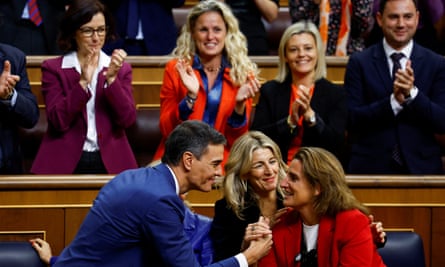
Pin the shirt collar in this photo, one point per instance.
(174, 179)
(406, 51)
(70, 60)
(198, 65)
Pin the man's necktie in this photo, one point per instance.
(396, 57)
(132, 19)
(396, 154)
(34, 13)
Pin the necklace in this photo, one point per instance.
(212, 69)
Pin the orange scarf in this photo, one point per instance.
(296, 141)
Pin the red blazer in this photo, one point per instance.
(345, 240)
(65, 101)
(173, 92)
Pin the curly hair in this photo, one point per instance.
(299, 28)
(322, 168)
(239, 164)
(235, 47)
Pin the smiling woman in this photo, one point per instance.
(316, 112)
(88, 98)
(210, 65)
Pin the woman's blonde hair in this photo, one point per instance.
(239, 164)
(235, 47)
(321, 168)
(299, 28)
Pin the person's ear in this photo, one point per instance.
(187, 160)
(317, 190)
(379, 19)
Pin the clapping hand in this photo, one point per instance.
(188, 77)
(7, 81)
(403, 83)
(117, 59)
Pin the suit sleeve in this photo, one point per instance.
(428, 108)
(25, 112)
(362, 113)
(355, 243)
(63, 103)
(226, 232)
(170, 99)
(167, 232)
(329, 131)
(119, 95)
(268, 117)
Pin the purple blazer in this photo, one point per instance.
(65, 100)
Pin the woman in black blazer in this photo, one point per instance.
(300, 107)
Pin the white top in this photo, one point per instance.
(310, 233)
(70, 60)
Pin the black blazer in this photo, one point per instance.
(329, 104)
(24, 113)
(373, 127)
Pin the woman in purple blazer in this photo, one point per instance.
(88, 98)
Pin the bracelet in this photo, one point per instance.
(190, 100)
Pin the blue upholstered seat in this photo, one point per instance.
(403, 249)
(19, 254)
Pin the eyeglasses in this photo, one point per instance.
(89, 32)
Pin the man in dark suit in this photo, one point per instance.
(144, 27)
(137, 218)
(396, 92)
(17, 29)
(18, 107)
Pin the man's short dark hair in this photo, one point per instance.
(193, 136)
(383, 4)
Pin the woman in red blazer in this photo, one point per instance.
(211, 78)
(88, 98)
(327, 226)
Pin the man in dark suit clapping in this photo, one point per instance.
(396, 91)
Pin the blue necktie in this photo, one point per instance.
(132, 19)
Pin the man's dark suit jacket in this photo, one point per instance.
(373, 127)
(24, 113)
(11, 16)
(158, 25)
(328, 102)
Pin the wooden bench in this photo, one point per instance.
(54, 206)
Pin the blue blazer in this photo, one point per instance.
(136, 220)
(24, 113)
(373, 127)
(158, 24)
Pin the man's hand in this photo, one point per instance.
(7, 81)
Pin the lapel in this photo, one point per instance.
(293, 229)
(18, 6)
(72, 78)
(282, 98)
(325, 240)
(380, 65)
(417, 62)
